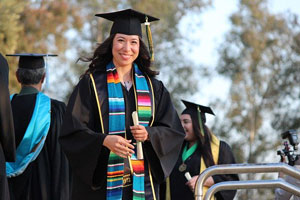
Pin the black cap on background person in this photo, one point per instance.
(31, 60)
(198, 111)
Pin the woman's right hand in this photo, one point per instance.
(192, 182)
(119, 145)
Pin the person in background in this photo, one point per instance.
(41, 170)
(7, 133)
(201, 149)
(281, 194)
(98, 133)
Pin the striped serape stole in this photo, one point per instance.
(115, 168)
(143, 103)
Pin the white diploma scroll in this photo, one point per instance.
(187, 176)
(138, 143)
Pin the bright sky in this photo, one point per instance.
(213, 24)
(208, 33)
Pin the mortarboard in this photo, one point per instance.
(129, 22)
(31, 60)
(199, 110)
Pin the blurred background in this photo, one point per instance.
(241, 57)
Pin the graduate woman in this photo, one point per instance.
(98, 134)
(200, 150)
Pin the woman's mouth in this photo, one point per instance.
(125, 56)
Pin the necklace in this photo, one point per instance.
(185, 154)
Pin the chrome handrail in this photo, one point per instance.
(242, 168)
(252, 184)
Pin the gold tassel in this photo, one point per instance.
(149, 38)
(200, 121)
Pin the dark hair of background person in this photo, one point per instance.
(204, 141)
(103, 55)
(30, 76)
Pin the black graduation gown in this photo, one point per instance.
(48, 177)
(82, 138)
(7, 137)
(4, 70)
(181, 191)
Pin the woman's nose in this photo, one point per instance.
(127, 46)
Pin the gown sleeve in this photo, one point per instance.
(81, 137)
(166, 135)
(60, 169)
(7, 133)
(225, 157)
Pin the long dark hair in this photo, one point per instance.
(203, 141)
(103, 55)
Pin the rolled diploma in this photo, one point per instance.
(187, 176)
(138, 143)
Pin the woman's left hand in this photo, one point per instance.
(139, 133)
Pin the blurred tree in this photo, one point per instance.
(10, 26)
(260, 56)
(169, 57)
(35, 26)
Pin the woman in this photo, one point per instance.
(98, 135)
(201, 149)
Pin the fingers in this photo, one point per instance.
(190, 185)
(119, 145)
(124, 148)
(139, 132)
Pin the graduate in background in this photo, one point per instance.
(7, 134)
(41, 170)
(200, 150)
(98, 134)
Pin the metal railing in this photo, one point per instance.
(250, 184)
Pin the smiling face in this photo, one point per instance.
(125, 49)
(187, 124)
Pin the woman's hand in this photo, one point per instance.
(209, 182)
(139, 133)
(119, 145)
(192, 182)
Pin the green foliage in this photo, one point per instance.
(10, 26)
(261, 57)
(35, 26)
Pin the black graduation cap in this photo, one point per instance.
(31, 60)
(199, 110)
(127, 21)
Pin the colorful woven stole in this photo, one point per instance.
(115, 168)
